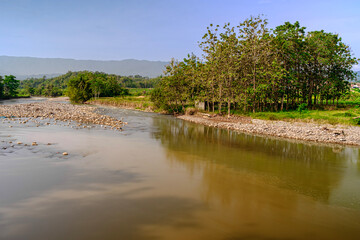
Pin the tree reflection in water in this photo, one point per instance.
(310, 169)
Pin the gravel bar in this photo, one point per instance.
(82, 114)
(322, 133)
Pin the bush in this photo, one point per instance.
(272, 117)
(356, 120)
(349, 114)
(302, 108)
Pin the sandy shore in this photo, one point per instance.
(324, 133)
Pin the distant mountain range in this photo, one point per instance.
(26, 67)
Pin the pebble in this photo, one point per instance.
(324, 133)
(82, 114)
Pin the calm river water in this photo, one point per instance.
(163, 178)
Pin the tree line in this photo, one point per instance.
(8, 86)
(250, 67)
(86, 85)
(57, 86)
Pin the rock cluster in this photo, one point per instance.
(339, 134)
(82, 114)
(10, 147)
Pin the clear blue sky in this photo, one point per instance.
(152, 29)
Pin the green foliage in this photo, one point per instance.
(86, 85)
(252, 68)
(79, 89)
(178, 86)
(10, 86)
(302, 107)
(140, 91)
(137, 81)
(356, 121)
(51, 87)
(141, 103)
(158, 98)
(1, 87)
(57, 86)
(337, 116)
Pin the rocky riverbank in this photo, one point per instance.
(83, 115)
(324, 133)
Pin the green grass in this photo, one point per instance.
(135, 102)
(345, 113)
(140, 91)
(338, 116)
(352, 99)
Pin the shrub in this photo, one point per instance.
(302, 107)
(349, 114)
(356, 120)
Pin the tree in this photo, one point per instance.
(79, 90)
(97, 86)
(289, 48)
(10, 86)
(173, 91)
(259, 69)
(1, 87)
(255, 39)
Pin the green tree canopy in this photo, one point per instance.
(10, 86)
(252, 67)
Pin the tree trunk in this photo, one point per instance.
(245, 106)
(254, 88)
(229, 105)
(309, 102)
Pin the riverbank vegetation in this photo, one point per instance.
(87, 85)
(251, 68)
(138, 98)
(100, 84)
(284, 73)
(8, 87)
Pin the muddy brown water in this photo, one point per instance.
(163, 178)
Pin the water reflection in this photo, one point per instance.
(262, 188)
(93, 214)
(309, 169)
(103, 190)
(162, 178)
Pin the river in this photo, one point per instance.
(164, 178)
